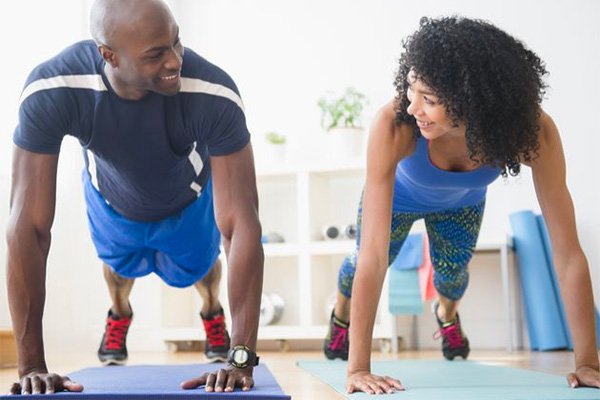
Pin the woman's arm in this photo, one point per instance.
(549, 177)
(388, 144)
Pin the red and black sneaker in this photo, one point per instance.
(337, 341)
(217, 338)
(454, 341)
(113, 348)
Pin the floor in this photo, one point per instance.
(298, 383)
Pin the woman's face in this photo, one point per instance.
(430, 113)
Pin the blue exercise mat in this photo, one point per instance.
(155, 382)
(455, 380)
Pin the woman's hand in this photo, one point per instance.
(365, 381)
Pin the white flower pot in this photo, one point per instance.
(346, 142)
(275, 153)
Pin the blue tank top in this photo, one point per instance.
(422, 187)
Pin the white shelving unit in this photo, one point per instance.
(296, 201)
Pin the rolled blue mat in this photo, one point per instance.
(555, 284)
(542, 311)
(410, 255)
(404, 292)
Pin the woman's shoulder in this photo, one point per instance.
(547, 128)
(398, 136)
(548, 138)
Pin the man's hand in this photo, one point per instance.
(223, 380)
(364, 381)
(584, 376)
(42, 382)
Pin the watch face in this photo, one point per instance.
(240, 356)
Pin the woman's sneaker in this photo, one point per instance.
(113, 347)
(217, 338)
(337, 342)
(454, 341)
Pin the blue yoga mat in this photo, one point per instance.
(542, 310)
(155, 382)
(404, 292)
(410, 255)
(550, 262)
(456, 380)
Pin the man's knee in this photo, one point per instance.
(114, 278)
(213, 276)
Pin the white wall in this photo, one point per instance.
(283, 56)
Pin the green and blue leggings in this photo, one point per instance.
(452, 238)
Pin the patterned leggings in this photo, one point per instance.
(452, 239)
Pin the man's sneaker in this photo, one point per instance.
(113, 348)
(337, 342)
(217, 338)
(454, 341)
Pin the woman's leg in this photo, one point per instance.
(452, 237)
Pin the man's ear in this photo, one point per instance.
(108, 55)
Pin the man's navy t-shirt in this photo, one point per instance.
(149, 158)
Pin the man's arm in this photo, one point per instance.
(572, 269)
(32, 202)
(236, 213)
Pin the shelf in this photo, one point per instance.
(333, 247)
(281, 249)
(268, 332)
(315, 167)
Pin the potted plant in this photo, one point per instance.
(341, 117)
(275, 147)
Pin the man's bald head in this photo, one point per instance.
(109, 18)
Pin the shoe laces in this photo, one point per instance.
(215, 330)
(339, 338)
(452, 334)
(116, 332)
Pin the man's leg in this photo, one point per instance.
(208, 288)
(217, 338)
(119, 289)
(113, 348)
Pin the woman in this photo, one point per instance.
(467, 110)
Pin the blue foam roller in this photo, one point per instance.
(542, 311)
(555, 285)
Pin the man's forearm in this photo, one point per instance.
(245, 277)
(26, 294)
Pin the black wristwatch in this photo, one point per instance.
(241, 356)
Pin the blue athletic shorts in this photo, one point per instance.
(180, 249)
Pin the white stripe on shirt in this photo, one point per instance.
(93, 82)
(199, 86)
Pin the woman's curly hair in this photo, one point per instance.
(484, 78)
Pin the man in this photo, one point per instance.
(164, 134)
